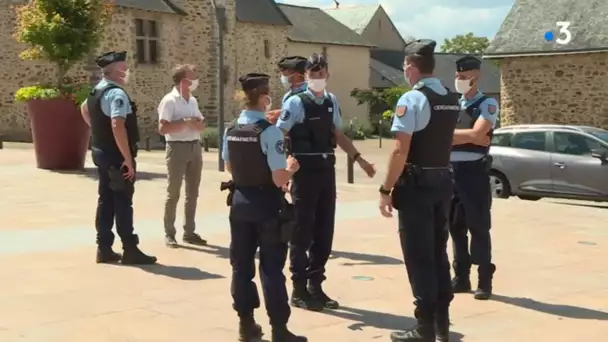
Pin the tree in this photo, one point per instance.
(467, 43)
(62, 32)
(381, 102)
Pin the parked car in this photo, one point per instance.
(560, 161)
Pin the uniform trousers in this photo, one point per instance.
(313, 193)
(115, 200)
(471, 214)
(253, 224)
(423, 210)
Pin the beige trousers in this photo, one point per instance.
(184, 162)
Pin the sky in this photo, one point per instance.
(434, 19)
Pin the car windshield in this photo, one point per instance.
(598, 133)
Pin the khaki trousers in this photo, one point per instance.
(184, 161)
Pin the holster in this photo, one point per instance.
(487, 161)
(287, 220)
(230, 187)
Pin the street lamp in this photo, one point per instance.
(220, 16)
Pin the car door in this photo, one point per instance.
(527, 163)
(575, 171)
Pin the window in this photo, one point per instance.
(598, 133)
(501, 139)
(574, 144)
(146, 41)
(267, 48)
(534, 141)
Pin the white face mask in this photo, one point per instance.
(317, 85)
(269, 105)
(285, 81)
(462, 86)
(126, 76)
(192, 87)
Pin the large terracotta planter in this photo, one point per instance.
(61, 137)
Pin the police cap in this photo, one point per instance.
(421, 47)
(111, 57)
(295, 63)
(467, 63)
(253, 81)
(316, 62)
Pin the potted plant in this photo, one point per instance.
(63, 33)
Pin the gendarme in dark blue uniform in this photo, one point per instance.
(254, 149)
(473, 199)
(311, 121)
(108, 106)
(423, 124)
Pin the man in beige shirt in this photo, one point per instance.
(181, 121)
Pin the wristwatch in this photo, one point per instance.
(383, 191)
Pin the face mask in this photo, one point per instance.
(127, 76)
(317, 85)
(285, 81)
(407, 80)
(462, 86)
(193, 85)
(269, 105)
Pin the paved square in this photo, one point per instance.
(551, 283)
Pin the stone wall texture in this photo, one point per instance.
(348, 69)
(252, 55)
(183, 39)
(564, 89)
(382, 32)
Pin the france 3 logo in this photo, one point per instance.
(563, 35)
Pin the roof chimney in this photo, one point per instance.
(337, 4)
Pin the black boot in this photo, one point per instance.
(484, 285)
(317, 293)
(301, 298)
(461, 283)
(249, 330)
(106, 255)
(442, 325)
(134, 256)
(420, 333)
(282, 334)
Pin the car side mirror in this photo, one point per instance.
(600, 154)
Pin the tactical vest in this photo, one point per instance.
(431, 146)
(102, 136)
(466, 120)
(316, 134)
(248, 162)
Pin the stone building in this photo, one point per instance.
(372, 23)
(545, 79)
(261, 41)
(314, 31)
(158, 34)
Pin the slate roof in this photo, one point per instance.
(389, 64)
(523, 30)
(165, 6)
(260, 12)
(356, 17)
(313, 25)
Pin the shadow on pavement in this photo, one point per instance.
(598, 206)
(568, 311)
(379, 320)
(364, 259)
(179, 272)
(91, 172)
(219, 251)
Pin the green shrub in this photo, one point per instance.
(77, 93)
(356, 132)
(212, 135)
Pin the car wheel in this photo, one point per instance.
(528, 198)
(499, 185)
